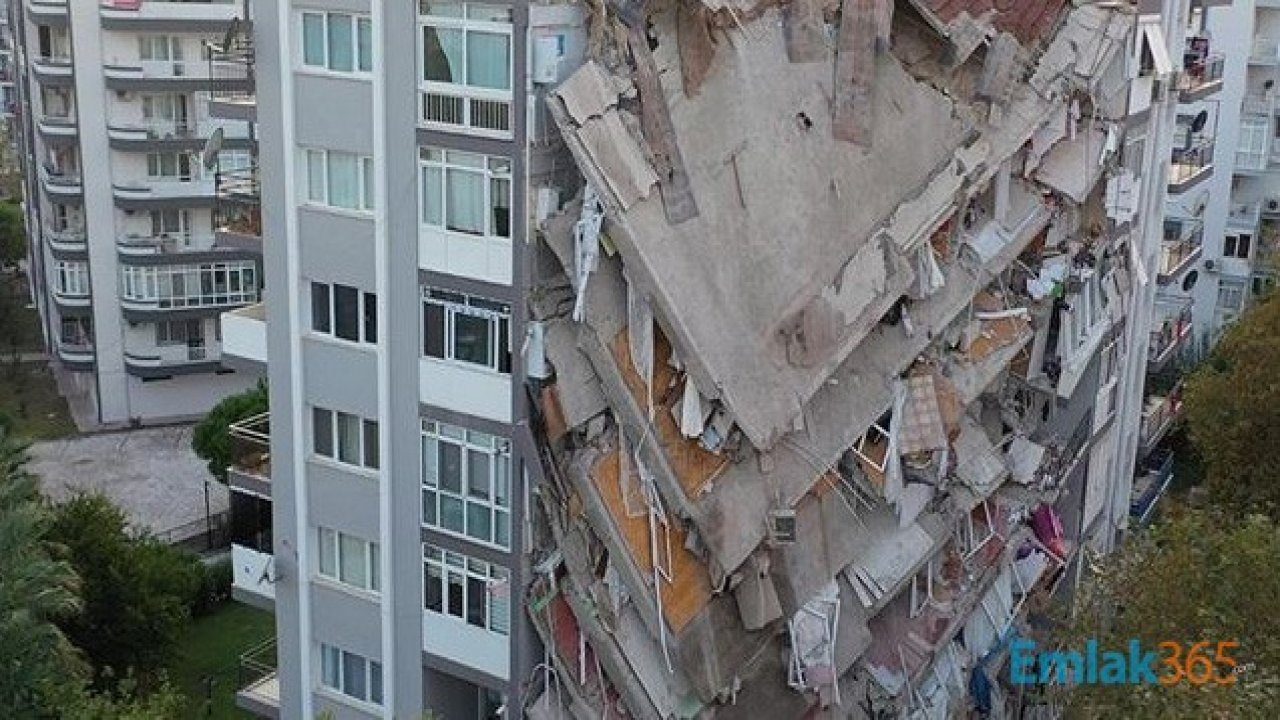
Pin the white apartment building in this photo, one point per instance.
(128, 270)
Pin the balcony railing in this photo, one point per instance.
(1265, 51)
(1199, 73)
(66, 239)
(251, 445)
(154, 244)
(1158, 416)
(258, 680)
(1154, 477)
(1189, 162)
(1172, 325)
(1183, 238)
(238, 208)
(449, 106)
(1245, 215)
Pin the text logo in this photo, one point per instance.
(1170, 663)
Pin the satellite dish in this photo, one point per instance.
(1200, 121)
(212, 146)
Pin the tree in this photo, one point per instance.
(137, 590)
(211, 440)
(13, 240)
(1198, 576)
(1233, 413)
(35, 591)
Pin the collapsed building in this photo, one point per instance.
(833, 309)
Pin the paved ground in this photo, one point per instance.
(152, 473)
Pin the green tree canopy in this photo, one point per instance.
(211, 440)
(1198, 576)
(13, 241)
(137, 590)
(1233, 413)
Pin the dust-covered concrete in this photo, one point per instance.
(152, 473)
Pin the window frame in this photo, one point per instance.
(487, 167)
(366, 201)
(465, 92)
(441, 566)
(213, 284)
(332, 540)
(453, 304)
(71, 278)
(370, 669)
(497, 496)
(366, 313)
(362, 46)
(369, 453)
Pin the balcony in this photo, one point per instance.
(67, 240)
(237, 209)
(1182, 245)
(244, 333)
(167, 244)
(1244, 217)
(1265, 51)
(1158, 416)
(76, 354)
(41, 11)
(250, 469)
(253, 577)
(1171, 326)
(60, 183)
(171, 130)
(1201, 72)
(135, 73)
(134, 12)
(51, 67)
(1152, 481)
(168, 360)
(1191, 164)
(193, 188)
(259, 682)
(57, 126)
(230, 64)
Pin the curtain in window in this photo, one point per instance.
(432, 196)
(330, 674)
(341, 43)
(348, 438)
(344, 184)
(464, 201)
(489, 60)
(313, 39)
(352, 562)
(365, 42)
(442, 55)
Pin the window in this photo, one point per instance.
(339, 179)
(466, 483)
(465, 193)
(1230, 295)
(349, 560)
(466, 65)
(977, 528)
(344, 437)
(473, 590)
(71, 278)
(1263, 285)
(344, 312)
(169, 165)
(1236, 246)
(180, 332)
(352, 675)
(76, 331)
(170, 223)
(159, 47)
(466, 329)
(203, 285)
(337, 41)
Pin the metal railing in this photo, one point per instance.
(1201, 72)
(257, 663)
(1170, 332)
(1187, 162)
(251, 445)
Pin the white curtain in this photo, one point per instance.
(489, 60)
(464, 201)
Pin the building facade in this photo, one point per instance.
(632, 361)
(121, 157)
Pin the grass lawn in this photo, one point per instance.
(212, 648)
(29, 395)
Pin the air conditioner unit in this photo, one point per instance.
(1210, 265)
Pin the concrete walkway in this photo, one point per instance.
(152, 473)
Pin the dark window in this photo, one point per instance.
(370, 318)
(476, 592)
(320, 320)
(435, 593)
(471, 339)
(322, 431)
(433, 330)
(504, 345)
(1242, 246)
(455, 593)
(371, 444)
(451, 467)
(346, 312)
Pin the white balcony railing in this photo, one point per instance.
(454, 107)
(223, 10)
